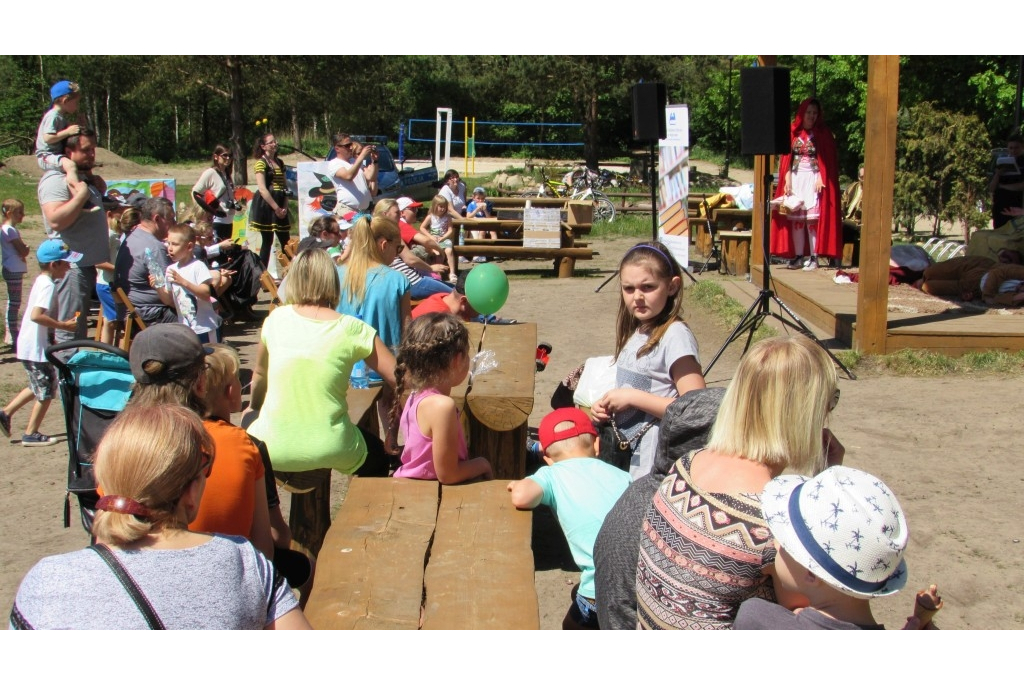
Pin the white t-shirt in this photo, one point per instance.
(12, 261)
(33, 339)
(650, 373)
(195, 312)
(354, 193)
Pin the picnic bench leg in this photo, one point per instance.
(310, 514)
(565, 266)
(506, 450)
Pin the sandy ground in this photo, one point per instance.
(946, 446)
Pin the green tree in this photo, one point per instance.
(941, 158)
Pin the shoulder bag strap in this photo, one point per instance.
(130, 586)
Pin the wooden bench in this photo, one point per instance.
(576, 221)
(408, 554)
(729, 218)
(735, 252)
(497, 406)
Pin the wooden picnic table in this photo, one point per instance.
(497, 406)
(409, 554)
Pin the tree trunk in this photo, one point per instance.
(590, 137)
(296, 136)
(241, 169)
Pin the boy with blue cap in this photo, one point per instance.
(35, 336)
(56, 127)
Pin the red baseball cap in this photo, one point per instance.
(581, 426)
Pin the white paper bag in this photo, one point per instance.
(598, 377)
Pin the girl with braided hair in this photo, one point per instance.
(434, 358)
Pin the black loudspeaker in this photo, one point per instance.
(764, 95)
(649, 112)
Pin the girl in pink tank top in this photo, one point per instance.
(433, 358)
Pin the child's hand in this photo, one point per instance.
(612, 402)
(511, 484)
(71, 324)
(72, 130)
(152, 281)
(172, 277)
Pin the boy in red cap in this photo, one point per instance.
(580, 490)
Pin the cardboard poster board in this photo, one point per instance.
(148, 187)
(542, 227)
(313, 202)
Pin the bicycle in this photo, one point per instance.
(580, 185)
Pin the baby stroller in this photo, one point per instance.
(95, 383)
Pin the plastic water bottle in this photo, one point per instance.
(359, 378)
(155, 269)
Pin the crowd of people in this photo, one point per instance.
(671, 495)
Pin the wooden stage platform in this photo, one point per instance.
(831, 310)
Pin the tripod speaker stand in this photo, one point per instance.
(761, 308)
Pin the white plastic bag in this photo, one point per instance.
(598, 377)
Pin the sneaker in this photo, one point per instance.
(463, 260)
(811, 264)
(5, 423)
(795, 263)
(36, 440)
(479, 259)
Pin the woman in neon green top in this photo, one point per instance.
(305, 356)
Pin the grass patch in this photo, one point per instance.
(925, 363)
(711, 297)
(628, 225)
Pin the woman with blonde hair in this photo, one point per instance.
(152, 465)
(705, 546)
(375, 293)
(299, 385)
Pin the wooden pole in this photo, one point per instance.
(879, 178)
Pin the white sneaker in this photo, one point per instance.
(811, 264)
(479, 259)
(463, 260)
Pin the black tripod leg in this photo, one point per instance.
(748, 324)
(807, 332)
(607, 281)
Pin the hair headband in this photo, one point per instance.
(668, 260)
(123, 505)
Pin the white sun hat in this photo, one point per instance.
(844, 526)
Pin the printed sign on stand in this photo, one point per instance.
(542, 227)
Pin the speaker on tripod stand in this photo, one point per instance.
(649, 127)
(764, 95)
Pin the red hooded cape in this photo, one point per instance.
(830, 226)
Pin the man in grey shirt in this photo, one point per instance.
(131, 272)
(62, 203)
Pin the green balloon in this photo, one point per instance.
(487, 288)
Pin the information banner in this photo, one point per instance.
(674, 183)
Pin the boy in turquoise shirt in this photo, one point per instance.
(580, 490)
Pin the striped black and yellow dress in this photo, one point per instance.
(262, 217)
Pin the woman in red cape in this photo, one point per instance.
(811, 173)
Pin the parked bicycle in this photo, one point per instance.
(579, 185)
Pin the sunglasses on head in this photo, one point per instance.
(834, 401)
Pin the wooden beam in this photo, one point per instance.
(879, 178)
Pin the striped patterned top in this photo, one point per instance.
(274, 170)
(701, 555)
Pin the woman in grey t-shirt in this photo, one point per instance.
(152, 467)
